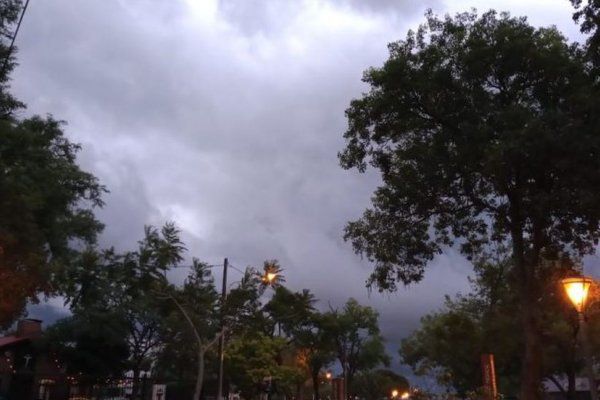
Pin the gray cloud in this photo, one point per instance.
(226, 117)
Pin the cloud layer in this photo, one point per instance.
(226, 117)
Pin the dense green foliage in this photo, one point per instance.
(479, 127)
(587, 13)
(449, 343)
(354, 332)
(173, 330)
(379, 384)
(46, 199)
(91, 344)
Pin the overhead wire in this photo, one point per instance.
(12, 42)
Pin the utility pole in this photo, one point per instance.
(222, 334)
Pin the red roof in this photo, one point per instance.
(11, 339)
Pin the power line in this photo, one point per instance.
(210, 266)
(191, 265)
(12, 42)
(237, 269)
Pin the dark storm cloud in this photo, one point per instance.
(268, 17)
(399, 7)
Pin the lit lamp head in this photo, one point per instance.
(394, 393)
(577, 290)
(270, 277)
(328, 375)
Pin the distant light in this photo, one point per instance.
(394, 393)
(405, 395)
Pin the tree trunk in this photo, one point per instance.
(571, 388)
(316, 382)
(531, 365)
(299, 391)
(199, 375)
(136, 382)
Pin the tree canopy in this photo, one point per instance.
(357, 343)
(46, 199)
(477, 125)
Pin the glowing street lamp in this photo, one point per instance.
(405, 396)
(395, 393)
(577, 290)
(270, 277)
(328, 375)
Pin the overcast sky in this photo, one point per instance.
(226, 117)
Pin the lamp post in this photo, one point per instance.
(222, 337)
(577, 290)
(329, 378)
(268, 278)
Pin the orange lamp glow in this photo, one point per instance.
(394, 393)
(577, 289)
(328, 375)
(405, 395)
(270, 277)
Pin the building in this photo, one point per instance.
(553, 392)
(25, 371)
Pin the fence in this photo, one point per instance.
(116, 389)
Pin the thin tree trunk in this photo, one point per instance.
(202, 348)
(199, 375)
(571, 388)
(136, 381)
(299, 391)
(531, 365)
(315, 382)
(532, 361)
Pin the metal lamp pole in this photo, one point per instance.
(577, 290)
(589, 367)
(222, 337)
(268, 278)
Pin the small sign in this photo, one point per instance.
(159, 392)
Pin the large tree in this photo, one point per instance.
(587, 13)
(193, 326)
(9, 15)
(92, 344)
(450, 341)
(355, 336)
(46, 199)
(317, 347)
(122, 287)
(477, 126)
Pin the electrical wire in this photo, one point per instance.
(211, 266)
(12, 42)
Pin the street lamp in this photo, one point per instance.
(268, 278)
(396, 394)
(577, 290)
